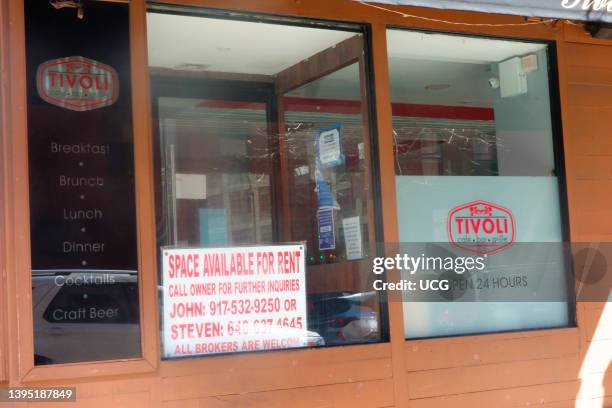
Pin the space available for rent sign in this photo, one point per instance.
(226, 300)
(590, 10)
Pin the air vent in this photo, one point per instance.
(192, 67)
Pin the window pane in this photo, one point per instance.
(265, 142)
(473, 142)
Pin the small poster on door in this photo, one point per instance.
(352, 238)
(328, 144)
(325, 220)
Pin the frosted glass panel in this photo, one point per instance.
(424, 203)
(476, 171)
(449, 319)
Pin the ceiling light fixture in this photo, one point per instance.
(437, 87)
(192, 67)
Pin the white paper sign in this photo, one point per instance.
(190, 186)
(352, 238)
(227, 300)
(329, 147)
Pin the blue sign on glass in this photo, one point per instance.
(324, 192)
(325, 220)
(328, 143)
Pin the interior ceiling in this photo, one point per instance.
(468, 83)
(177, 41)
(454, 48)
(416, 59)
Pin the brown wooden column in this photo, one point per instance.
(4, 135)
(386, 158)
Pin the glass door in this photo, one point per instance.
(217, 175)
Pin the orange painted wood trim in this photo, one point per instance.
(19, 309)
(21, 346)
(386, 163)
(354, 12)
(4, 128)
(275, 359)
(145, 184)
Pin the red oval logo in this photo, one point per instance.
(77, 83)
(481, 227)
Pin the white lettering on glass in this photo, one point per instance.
(595, 5)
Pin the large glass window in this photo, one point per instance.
(81, 177)
(475, 167)
(262, 138)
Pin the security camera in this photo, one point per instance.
(494, 82)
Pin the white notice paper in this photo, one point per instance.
(352, 238)
(329, 147)
(190, 186)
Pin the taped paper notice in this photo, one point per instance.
(190, 186)
(329, 147)
(352, 238)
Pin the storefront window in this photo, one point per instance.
(474, 147)
(81, 177)
(262, 139)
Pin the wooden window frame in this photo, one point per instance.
(4, 126)
(17, 339)
(398, 349)
(18, 227)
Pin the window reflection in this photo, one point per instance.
(268, 142)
